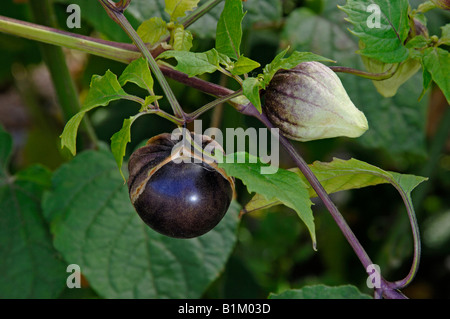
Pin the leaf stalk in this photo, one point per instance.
(119, 18)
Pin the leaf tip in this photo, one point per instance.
(123, 177)
(71, 149)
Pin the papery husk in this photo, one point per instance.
(309, 103)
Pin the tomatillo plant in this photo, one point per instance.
(180, 189)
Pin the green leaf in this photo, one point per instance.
(250, 88)
(283, 185)
(152, 30)
(339, 175)
(383, 42)
(279, 62)
(95, 226)
(149, 100)
(397, 124)
(69, 134)
(427, 80)
(178, 8)
(193, 63)
(138, 73)
(229, 29)
(103, 90)
(120, 140)
(181, 39)
(30, 267)
(417, 42)
(271, 68)
(322, 292)
(437, 63)
(244, 65)
(224, 59)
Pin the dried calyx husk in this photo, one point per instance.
(175, 189)
(309, 102)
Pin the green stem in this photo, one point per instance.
(154, 110)
(199, 12)
(416, 239)
(120, 52)
(228, 73)
(437, 144)
(170, 117)
(192, 116)
(165, 115)
(110, 50)
(120, 19)
(134, 98)
(56, 63)
(367, 75)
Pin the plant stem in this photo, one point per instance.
(56, 63)
(367, 75)
(165, 115)
(120, 19)
(388, 289)
(120, 52)
(229, 74)
(194, 82)
(312, 179)
(416, 235)
(192, 116)
(134, 98)
(438, 142)
(199, 12)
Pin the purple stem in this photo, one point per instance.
(194, 82)
(386, 289)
